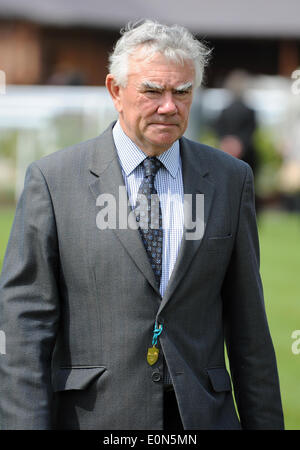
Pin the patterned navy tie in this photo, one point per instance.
(150, 219)
(149, 215)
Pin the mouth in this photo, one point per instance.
(164, 125)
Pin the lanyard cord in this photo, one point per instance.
(156, 332)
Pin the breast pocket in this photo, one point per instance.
(218, 243)
(76, 378)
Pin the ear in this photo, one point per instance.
(114, 91)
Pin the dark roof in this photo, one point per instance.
(256, 18)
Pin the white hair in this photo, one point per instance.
(175, 42)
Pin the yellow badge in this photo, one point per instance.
(152, 355)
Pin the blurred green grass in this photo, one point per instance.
(6, 220)
(280, 262)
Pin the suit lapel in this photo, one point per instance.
(106, 168)
(107, 173)
(195, 181)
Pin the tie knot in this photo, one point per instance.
(151, 166)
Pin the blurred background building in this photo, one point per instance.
(69, 40)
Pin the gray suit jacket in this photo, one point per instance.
(78, 304)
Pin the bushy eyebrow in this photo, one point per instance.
(155, 86)
(184, 87)
(151, 85)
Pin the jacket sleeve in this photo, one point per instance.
(29, 309)
(250, 349)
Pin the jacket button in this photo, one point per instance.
(156, 377)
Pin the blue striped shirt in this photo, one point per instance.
(169, 185)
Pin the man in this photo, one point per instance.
(236, 123)
(122, 327)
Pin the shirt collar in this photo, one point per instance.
(131, 155)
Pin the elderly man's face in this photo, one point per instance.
(154, 106)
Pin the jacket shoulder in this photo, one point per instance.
(75, 156)
(67, 156)
(216, 161)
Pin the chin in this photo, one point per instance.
(158, 149)
(165, 139)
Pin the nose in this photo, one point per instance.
(167, 104)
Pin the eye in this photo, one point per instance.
(181, 93)
(152, 92)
